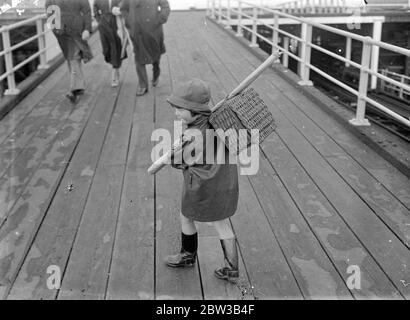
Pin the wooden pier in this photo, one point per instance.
(74, 192)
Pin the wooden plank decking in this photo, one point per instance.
(74, 192)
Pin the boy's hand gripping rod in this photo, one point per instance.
(178, 145)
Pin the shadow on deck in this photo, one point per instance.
(74, 192)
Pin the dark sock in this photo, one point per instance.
(190, 242)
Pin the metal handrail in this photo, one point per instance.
(312, 4)
(394, 74)
(22, 22)
(402, 93)
(8, 50)
(368, 67)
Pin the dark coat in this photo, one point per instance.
(144, 20)
(75, 18)
(107, 26)
(210, 191)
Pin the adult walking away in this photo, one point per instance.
(72, 37)
(144, 20)
(110, 40)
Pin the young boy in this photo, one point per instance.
(210, 190)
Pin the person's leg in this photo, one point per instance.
(81, 78)
(70, 95)
(105, 43)
(187, 225)
(142, 78)
(223, 227)
(115, 77)
(189, 245)
(77, 82)
(156, 71)
(228, 242)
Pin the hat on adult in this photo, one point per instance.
(193, 95)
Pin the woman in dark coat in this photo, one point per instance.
(144, 20)
(110, 41)
(75, 29)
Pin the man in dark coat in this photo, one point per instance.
(144, 20)
(110, 41)
(72, 36)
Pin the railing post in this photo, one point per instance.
(8, 58)
(382, 82)
(401, 89)
(42, 45)
(360, 119)
(220, 11)
(307, 4)
(228, 14)
(254, 42)
(275, 38)
(213, 9)
(285, 59)
(348, 53)
(239, 28)
(331, 6)
(305, 53)
(377, 35)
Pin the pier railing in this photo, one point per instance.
(7, 52)
(395, 90)
(336, 6)
(314, 6)
(246, 16)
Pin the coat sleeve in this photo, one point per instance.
(165, 11)
(192, 141)
(86, 11)
(177, 160)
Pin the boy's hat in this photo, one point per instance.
(193, 95)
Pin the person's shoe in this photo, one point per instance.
(115, 83)
(71, 96)
(231, 270)
(187, 255)
(141, 91)
(227, 274)
(155, 82)
(181, 260)
(79, 92)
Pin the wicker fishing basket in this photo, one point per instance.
(238, 116)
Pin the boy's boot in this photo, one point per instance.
(187, 256)
(231, 270)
